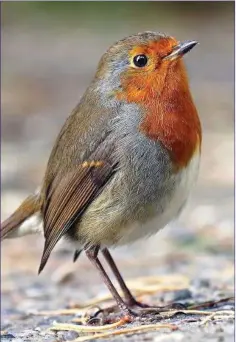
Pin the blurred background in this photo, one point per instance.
(50, 51)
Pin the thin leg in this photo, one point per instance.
(129, 298)
(92, 255)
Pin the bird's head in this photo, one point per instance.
(139, 66)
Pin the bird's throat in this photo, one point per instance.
(174, 122)
(169, 114)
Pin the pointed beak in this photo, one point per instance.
(181, 49)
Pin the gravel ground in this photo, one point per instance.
(45, 70)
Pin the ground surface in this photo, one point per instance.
(45, 70)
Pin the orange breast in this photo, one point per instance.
(169, 114)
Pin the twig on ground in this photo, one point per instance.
(210, 303)
(86, 328)
(141, 328)
(219, 315)
(196, 312)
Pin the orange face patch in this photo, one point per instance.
(155, 51)
(162, 91)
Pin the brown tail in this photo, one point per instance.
(29, 207)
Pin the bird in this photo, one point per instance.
(128, 154)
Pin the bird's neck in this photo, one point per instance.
(170, 115)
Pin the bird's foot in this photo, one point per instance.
(112, 314)
(135, 311)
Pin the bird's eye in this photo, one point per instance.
(140, 61)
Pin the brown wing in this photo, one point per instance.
(68, 198)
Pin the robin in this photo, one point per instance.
(128, 153)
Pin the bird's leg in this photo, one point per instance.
(92, 253)
(129, 298)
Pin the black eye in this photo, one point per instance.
(140, 61)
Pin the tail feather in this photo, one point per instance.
(29, 207)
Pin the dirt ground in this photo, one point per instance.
(45, 70)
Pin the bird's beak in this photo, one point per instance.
(181, 49)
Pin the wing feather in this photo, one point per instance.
(68, 199)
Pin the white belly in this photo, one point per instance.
(172, 207)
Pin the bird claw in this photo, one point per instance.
(135, 311)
